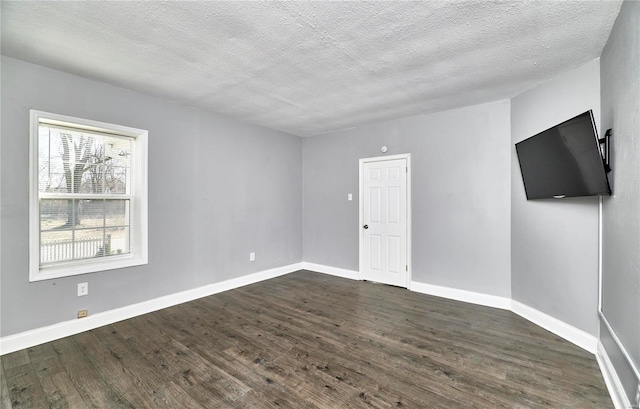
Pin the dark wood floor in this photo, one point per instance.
(308, 340)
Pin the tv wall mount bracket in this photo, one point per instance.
(606, 149)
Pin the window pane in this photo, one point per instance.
(78, 151)
(58, 214)
(119, 239)
(56, 246)
(78, 161)
(117, 213)
(92, 213)
(117, 180)
(51, 181)
(90, 243)
(75, 229)
(96, 168)
(51, 167)
(72, 245)
(103, 212)
(119, 149)
(118, 158)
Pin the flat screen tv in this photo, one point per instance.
(564, 161)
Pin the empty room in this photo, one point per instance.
(379, 204)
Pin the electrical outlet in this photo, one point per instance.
(252, 256)
(83, 289)
(82, 313)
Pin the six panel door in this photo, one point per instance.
(384, 228)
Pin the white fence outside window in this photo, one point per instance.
(61, 250)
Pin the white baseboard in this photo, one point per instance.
(572, 334)
(38, 336)
(462, 295)
(334, 271)
(611, 379)
(580, 338)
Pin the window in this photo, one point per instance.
(88, 196)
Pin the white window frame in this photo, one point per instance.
(139, 201)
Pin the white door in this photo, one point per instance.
(383, 249)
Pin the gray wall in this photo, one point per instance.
(554, 243)
(218, 189)
(460, 183)
(620, 91)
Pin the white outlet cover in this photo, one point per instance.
(83, 289)
(350, 196)
(252, 256)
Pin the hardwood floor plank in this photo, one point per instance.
(174, 396)
(379, 370)
(111, 368)
(68, 391)
(24, 387)
(135, 370)
(313, 341)
(94, 389)
(15, 359)
(5, 399)
(335, 348)
(386, 362)
(45, 360)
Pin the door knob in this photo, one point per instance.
(366, 226)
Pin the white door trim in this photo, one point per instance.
(362, 161)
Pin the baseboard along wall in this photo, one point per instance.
(580, 338)
(49, 333)
(572, 334)
(462, 295)
(334, 271)
(611, 379)
(38, 336)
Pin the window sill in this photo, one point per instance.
(73, 268)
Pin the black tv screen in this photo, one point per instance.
(564, 161)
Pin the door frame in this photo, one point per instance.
(407, 157)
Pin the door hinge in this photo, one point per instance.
(406, 268)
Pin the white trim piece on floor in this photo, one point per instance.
(334, 271)
(611, 379)
(572, 334)
(38, 336)
(49, 333)
(462, 295)
(568, 332)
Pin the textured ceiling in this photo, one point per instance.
(310, 68)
